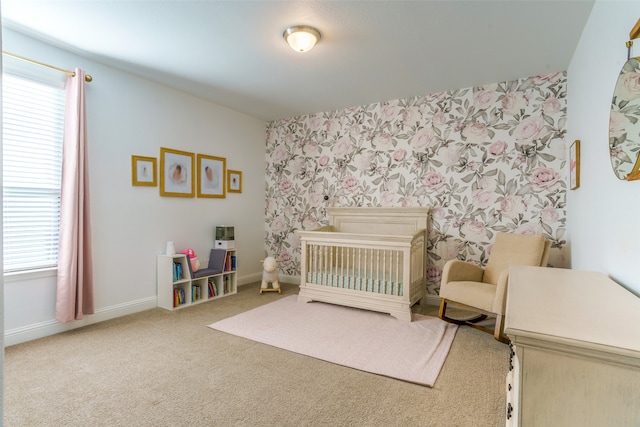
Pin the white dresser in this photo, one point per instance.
(575, 341)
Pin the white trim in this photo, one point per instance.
(20, 276)
(52, 327)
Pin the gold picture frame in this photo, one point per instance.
(144, 171)
(234, 181)
(574, 165)
(211, 176)
(176, 173)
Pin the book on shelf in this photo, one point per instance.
(195, 293)
(177, 271)
(178, 297)
(233, 262)
(212, 289)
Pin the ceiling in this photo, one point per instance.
(233, 53)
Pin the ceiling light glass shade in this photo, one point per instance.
(301, 38)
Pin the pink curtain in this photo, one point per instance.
(74, 296)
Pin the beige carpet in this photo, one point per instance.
(162, 368)
(360, 339)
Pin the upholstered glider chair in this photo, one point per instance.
(483, 290)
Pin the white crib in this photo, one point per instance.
(369, 258)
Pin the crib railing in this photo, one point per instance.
(378, 264)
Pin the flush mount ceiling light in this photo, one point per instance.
(301, 38)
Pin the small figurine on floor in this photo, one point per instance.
(270, 275)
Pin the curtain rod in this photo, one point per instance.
(87, 77)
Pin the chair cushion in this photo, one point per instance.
(475, 294)
(513, 249)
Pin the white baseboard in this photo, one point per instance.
(52, 327)
(257, 277)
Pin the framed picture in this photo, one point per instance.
(176, 173)
(234, 181)
(144, 171)
(211, 174)
(574, 165)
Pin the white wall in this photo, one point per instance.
(128, 115)
(603, 214)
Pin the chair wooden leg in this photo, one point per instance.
(498, 332)
(443, 307)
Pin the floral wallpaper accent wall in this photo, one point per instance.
(484, 159)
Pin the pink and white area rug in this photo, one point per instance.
(360, 339)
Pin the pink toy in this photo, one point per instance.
(190, 252)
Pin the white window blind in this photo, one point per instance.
(32, 127)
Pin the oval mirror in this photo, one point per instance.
(624, 122)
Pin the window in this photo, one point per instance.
(32, 126)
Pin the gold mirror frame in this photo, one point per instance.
(624, 122)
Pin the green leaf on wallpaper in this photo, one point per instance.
(548, 119)
(546, 228)
(524, 190)
(501, 178)
(467, 179)
(546, 156)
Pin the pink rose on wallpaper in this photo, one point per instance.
(350, 184)
(296, 165)
(474, 230)
(449, 249)
(383, 141)
(316, 199)
(423, 139)
(409, 202)
(288, 139)
(482, 199)
(475, 133)
(323, 161)
(286, 186)
(512, 206)
(484, 99)
(310, 147)
(529, 128)
(438, 212)
(315, 123)
(354, 130)
(497, 148)
(433, 273)
(513, 102)
(389, 112)
(411, 116)
(362, 161)
(433, 181)
(309, 223)
(439, 119)
(617, 124)
(545, 178)
(630, 88)
(284, 257)
(549, 215)
(528, 228)
(278, 225)
(280, 154)
(450, 156)
(342, 147)
(551, 106)
(388, 198)
(399, 155)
